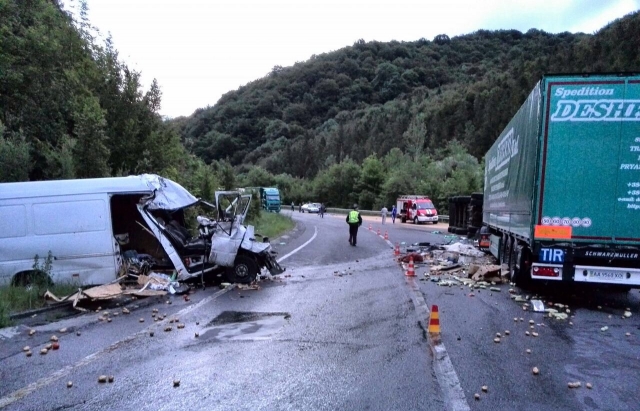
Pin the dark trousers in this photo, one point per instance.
(353, 234)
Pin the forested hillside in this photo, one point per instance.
(370, 97)
(361, 124)
(366, 99)
(70, 108)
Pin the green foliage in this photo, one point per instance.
(255, 207)
(71, 104)
(372, 97)
(272, 225)
(14, 157)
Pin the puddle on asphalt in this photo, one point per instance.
(241, 325)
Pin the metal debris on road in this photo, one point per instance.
(538, 306)
(576, 384)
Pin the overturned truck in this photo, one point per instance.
(92, 229)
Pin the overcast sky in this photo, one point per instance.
(201, 49)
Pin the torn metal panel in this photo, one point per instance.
(168, 195)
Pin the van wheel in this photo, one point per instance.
(32, 278)
(415, 220)
(244, 270)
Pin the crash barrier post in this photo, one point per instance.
(386, 236)
(378, 231)
(397, 250)
(434, 320)
(411, 272)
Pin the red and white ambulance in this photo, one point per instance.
(418, 209)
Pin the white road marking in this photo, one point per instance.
(43, 382)
(284, 257)
(445, 373)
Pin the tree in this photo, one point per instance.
(14, 157)
(90, 151)
(415, 136)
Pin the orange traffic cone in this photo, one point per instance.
(378, 231)
(386, 236)
(397, 250)
(411, 272)
(434, 320)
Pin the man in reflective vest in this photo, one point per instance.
(354, 220)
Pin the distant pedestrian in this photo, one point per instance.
(384, 212)
(394, 213)
(293, 206)
(355, 221)
(322, 210)
(300, 207)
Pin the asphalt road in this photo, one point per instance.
(344, 329)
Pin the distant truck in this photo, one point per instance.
(270, 199)
(416, 208)
(562, 183)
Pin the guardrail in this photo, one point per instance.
(441, 218)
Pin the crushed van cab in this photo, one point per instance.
(95, 228)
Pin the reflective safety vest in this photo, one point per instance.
(353, 217)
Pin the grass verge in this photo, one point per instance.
(272, 224)
(15, 299)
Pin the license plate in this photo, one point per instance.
(610, 275)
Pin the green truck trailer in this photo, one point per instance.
(562, 183)
(270, 199)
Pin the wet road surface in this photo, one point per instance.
(340, 331)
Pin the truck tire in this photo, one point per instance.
(520, 272)
(244, 270)
(460, 231)
(450, 229)
(403, 219)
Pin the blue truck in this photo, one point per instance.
(270, 199)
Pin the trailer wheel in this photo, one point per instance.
(244, 270)
(520, 269)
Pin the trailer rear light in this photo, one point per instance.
(546, 271)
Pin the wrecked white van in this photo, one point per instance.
(88, 225)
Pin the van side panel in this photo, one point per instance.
(76, 229)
